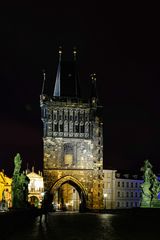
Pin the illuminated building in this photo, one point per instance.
(5, 189)
(109, 186)
(35, 188)
(128, 192)
(121, 190)
(72, 141)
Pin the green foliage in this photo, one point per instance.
(19, 185)
(17, 164)
(150, 187)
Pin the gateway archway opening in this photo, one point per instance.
(33, 200)
(68, 196)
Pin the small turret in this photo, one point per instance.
(44, 79)
(42, 96)
(93, 96)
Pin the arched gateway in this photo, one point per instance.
(75, 203)
(72, 141)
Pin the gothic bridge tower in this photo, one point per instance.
(72, 142)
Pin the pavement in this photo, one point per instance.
(125, 225)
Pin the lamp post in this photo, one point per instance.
(42, 197)
(105, 197)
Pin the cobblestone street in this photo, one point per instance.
(88, 226)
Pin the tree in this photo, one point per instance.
(19, 185)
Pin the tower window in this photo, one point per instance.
(65, 115)
(76, 128)
(61, 127)
(60, 117)
(56, 127)
(54, 115)
(86, 116)
(81, 117)
(70, 118)
(68, 154)
(76, 116)
(82, 129)
(66, 127)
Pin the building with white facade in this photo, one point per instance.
(35, 188)
(121, 190)
(109, 185)
(127, 190)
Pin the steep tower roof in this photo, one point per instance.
(67, 84)
(57, 87)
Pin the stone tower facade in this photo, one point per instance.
(72, 142)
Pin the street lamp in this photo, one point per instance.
(42, 194)
(105, 197)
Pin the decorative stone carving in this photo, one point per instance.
(150, 187)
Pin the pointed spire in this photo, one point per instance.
(57, 90)
(44, 79)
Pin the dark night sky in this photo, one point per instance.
(121, 45)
